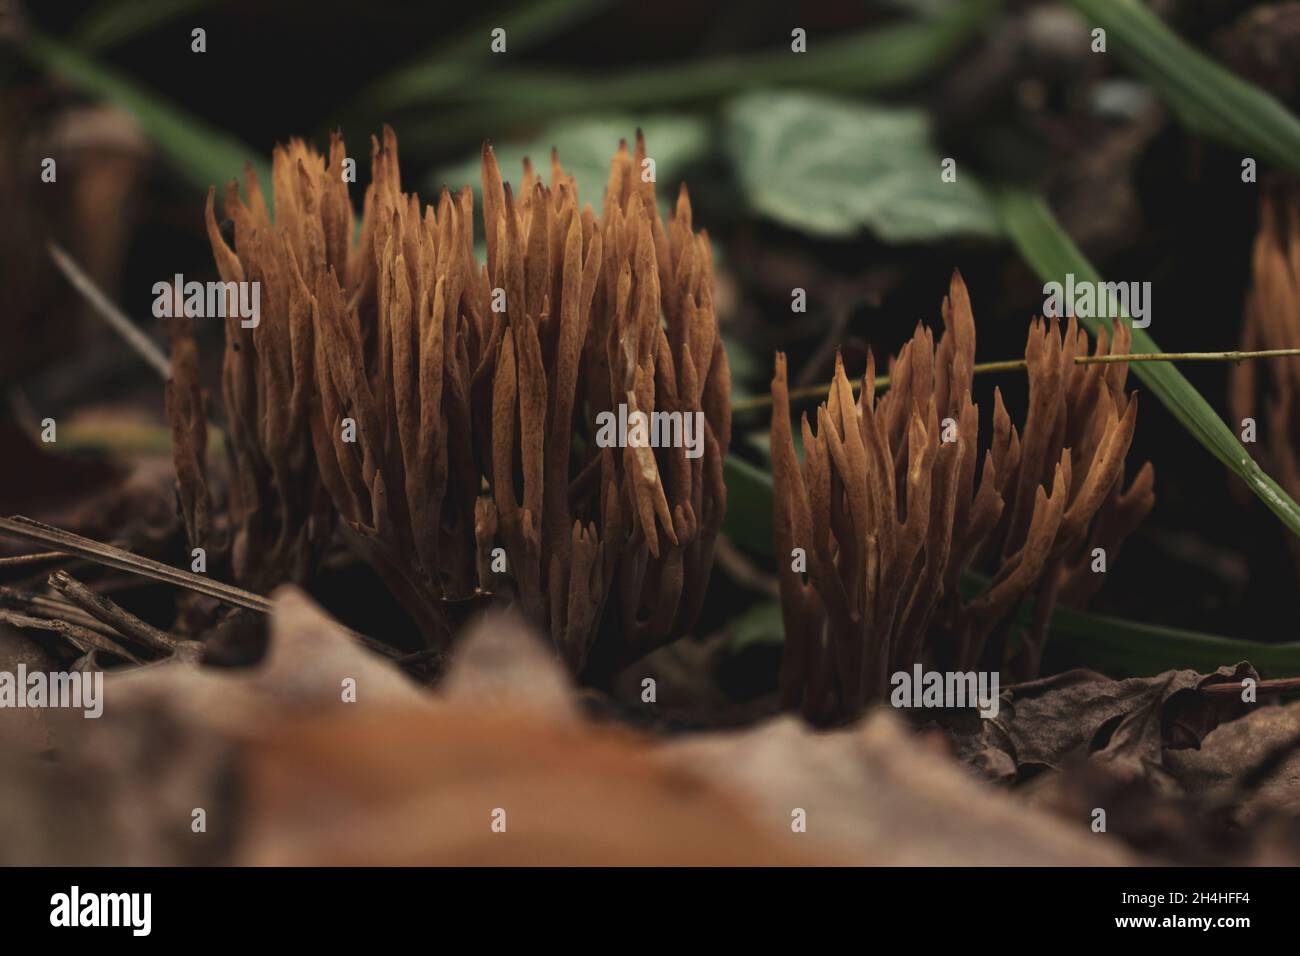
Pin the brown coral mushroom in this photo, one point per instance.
(449, 410)
(888, 514)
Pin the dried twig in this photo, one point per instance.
(41, 605)
(20, 527)
(27, 529)
(80, 637)
(113, 614)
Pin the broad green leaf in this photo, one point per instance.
(831, 168)
(1051, 254)
(585, 147)
(1207, 97)
(203, 153)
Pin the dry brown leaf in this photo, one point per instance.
(23, 729)
(420, 788)
(1234, 750)
(877, 795)
(1128, 725)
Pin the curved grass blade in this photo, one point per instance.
(1120, 648)
(114, 21)
(1112, 645)
(452, 63)
(878, 58)
(204, 154)
(1207, 97)
(1052, 254)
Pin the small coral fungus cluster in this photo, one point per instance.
(878, 525)
(443, 413)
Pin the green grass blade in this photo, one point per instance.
(1112, 645)
(113, 21)
(873, 59)
(454, 62)
(1123, 648)
(1051, 254)
(206, 155)
(1208, 97)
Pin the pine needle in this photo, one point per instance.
(131, 333)
(1012, 365)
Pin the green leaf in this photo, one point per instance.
(749, 505)
(1207, 97)
(831, 168)
(1051, 254)
(204, 154)
(586, 146)
(761, 624)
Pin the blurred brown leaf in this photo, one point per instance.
(289, 772)
(876, 795)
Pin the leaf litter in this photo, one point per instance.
(289, 773)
